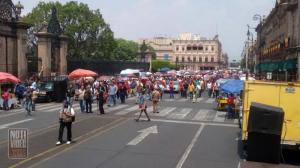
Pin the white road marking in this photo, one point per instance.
(190, 147)
(128, 110)
(195, 123)
(210, 100)
(199, 99)
(143, 134)
(116, 107)
(201, 115)
(220, 116)
(14, 123)
(180, 114)
(182, 100)
(165, 111)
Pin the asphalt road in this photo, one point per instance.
(182, 135)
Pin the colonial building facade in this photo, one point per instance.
(189, 52)
(278, 40)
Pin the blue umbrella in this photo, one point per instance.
(232, 86)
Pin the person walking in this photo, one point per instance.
(66, 117)
(28, 101)
(171, 89)
(143, 106)
(81, 92)
(122, 92)
(5, 97)
(88, 98)
(70, 94)
(155, 100)
(34, 98)
(112, 91)
(191, 90)
(230, 106)
(209, 88)
(100, 98)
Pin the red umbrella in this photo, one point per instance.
(131, 76)
(79, 73)
(6, 77)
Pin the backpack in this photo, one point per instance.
(87, 94)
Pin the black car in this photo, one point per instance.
(45, 92)
(49, 91)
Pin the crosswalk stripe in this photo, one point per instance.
(110, 109)
(220, 116)
(165, 111)
(199, 99)
(210, 100)
(201, 115)
(128, 110)
(182, 100)
(180, 114)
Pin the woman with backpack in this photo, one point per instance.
(66, 117)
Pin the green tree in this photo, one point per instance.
(125, 50)
(89, 35)
(158, 64)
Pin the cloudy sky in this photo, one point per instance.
(134, 19)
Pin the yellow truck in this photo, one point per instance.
(284, 95)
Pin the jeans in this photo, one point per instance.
(70, 101)
(61, 130)
(82, 107)
(88, 105)
(28, 106)
(5, 105)
(171, 93)
(112, 100)
(191, 95)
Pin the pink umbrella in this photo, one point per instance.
(79, 73)
(6, 77)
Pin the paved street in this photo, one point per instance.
(183, 134)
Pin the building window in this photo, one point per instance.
(194, 59)
(206, 59)
(177, 59)
(206, 48)
(177, 48)
(188, 48)
(200, 59)
(195, 47)
(189, 59)
(166, 56)
(212, 48)
(182, 48)
(182, 59)
(200, 47)
(212, 59)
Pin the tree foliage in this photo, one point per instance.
(125, 50)
(89, 35)
(158, 64)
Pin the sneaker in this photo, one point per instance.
(58, 143)
(69, 142)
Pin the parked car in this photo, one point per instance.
(45, 92)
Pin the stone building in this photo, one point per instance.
(278, 42)
(12, 40)
(162, 46)
(191, 52)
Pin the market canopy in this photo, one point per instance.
(79, 73)
(232, 86)
(8, 78)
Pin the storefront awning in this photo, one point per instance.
(277, 66)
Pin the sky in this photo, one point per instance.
(136, 19)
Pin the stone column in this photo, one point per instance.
(21, 50)
(63, 54)
(44, 53)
